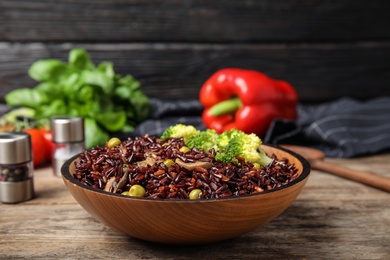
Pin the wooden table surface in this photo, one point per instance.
(332, 218)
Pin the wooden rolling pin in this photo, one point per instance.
(315, 158)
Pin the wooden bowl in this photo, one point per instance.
(187, 221)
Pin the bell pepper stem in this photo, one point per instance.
(226, 107)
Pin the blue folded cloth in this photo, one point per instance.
(342, 128)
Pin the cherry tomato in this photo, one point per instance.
(38, 143)
(48, 138)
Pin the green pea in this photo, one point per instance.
(256, 165)
(184, 149)
(194, 194)
(168, 162)
(137, 191)
(113, 142)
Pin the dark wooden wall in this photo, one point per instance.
(327, 49)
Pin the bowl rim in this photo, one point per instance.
(306, 169)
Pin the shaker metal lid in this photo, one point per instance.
(67, 129)
(15, 147)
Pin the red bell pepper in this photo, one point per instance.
(246, 100)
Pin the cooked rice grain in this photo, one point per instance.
(142, 159)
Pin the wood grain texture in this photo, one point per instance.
(326, 49)
(168, 70)
(332, 218)
(193, 21)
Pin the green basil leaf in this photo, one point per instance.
(86, 93)
(55, 108)
(112, 121)
(51, 89)
(94, 134)
(47, 70)
(101, 104)
(26, 97)
(127, 80)
(78, 109)
(141, 106)
(71, 85)
(125, 92)
(99, 79)
(79, 59)
(107, 68)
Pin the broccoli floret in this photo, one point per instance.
(264, 159)
(236, 143)
(228, 149)
(204, 140)
(180, 130)
(227, 145)
(225, 138)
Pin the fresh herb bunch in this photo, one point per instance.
(108, 102)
